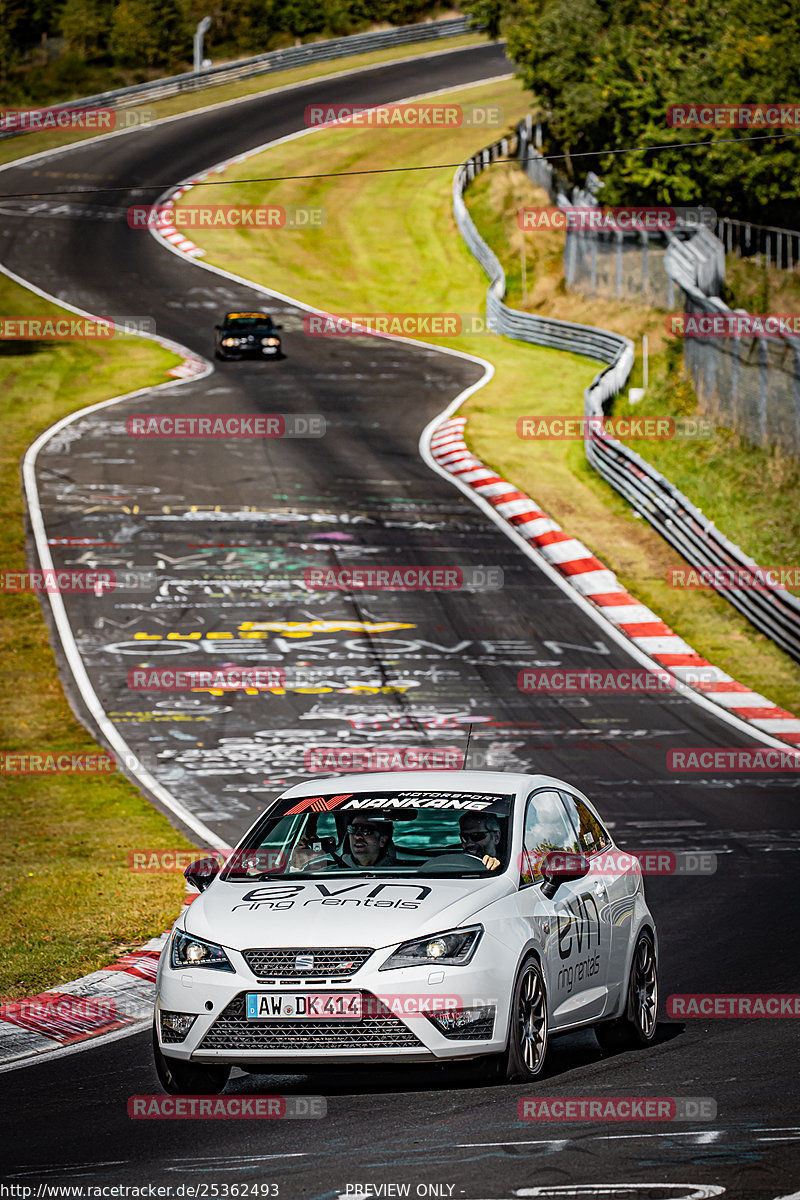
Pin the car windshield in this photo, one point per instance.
(445, 834)
(248, 323)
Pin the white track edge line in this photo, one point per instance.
(66, 634)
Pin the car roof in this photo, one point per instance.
(500, 782)
(230, 315)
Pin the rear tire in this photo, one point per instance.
(637, 1025)
(180, 1078)
(526, 1052)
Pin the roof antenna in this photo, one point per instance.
(466, 751)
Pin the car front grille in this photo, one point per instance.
(329, 962)
(378, 1030)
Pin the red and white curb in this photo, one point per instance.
(169, 231)
(116, 998)
(188, 368)
(596, 583)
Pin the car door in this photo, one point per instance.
(618, 881)
(576, 940)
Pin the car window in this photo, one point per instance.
(591, 834)
(251, 324)
(438, 833)
(547, 827)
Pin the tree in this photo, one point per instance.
(152, 33)
(605, 72)
(85, 24)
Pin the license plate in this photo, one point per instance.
(303, 1006)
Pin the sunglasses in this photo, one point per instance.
(367, 830)
(475, 835)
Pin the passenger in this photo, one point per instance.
(368, 843)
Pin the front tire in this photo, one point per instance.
(180, 1078)
(636, 1027)
(525, 1055)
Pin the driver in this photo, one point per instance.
(480, 835)
(368, 843)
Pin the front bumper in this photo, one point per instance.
(395, 1029)
(248, 351)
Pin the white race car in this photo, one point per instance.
(408, 917)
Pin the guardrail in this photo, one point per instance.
(775, 611)
(600, 344)
(261, 64)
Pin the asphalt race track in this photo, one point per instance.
(229, 526)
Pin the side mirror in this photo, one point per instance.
(218, 327)
(201, 873)
(560, 866)
(279, 327)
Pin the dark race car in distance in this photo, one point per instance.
(248, 335)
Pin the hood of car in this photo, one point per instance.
(337, 912)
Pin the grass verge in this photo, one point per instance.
(389, 245)
(68, 902)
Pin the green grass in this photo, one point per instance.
(390, 244)
(33, 143)
(68, 903)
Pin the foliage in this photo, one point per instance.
(150, 37)
(605, 73)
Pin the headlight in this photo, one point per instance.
(194, 952)
(270, 341)
(453, 949)
(230, 341)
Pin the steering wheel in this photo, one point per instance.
(322, 858)
(454, 858)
